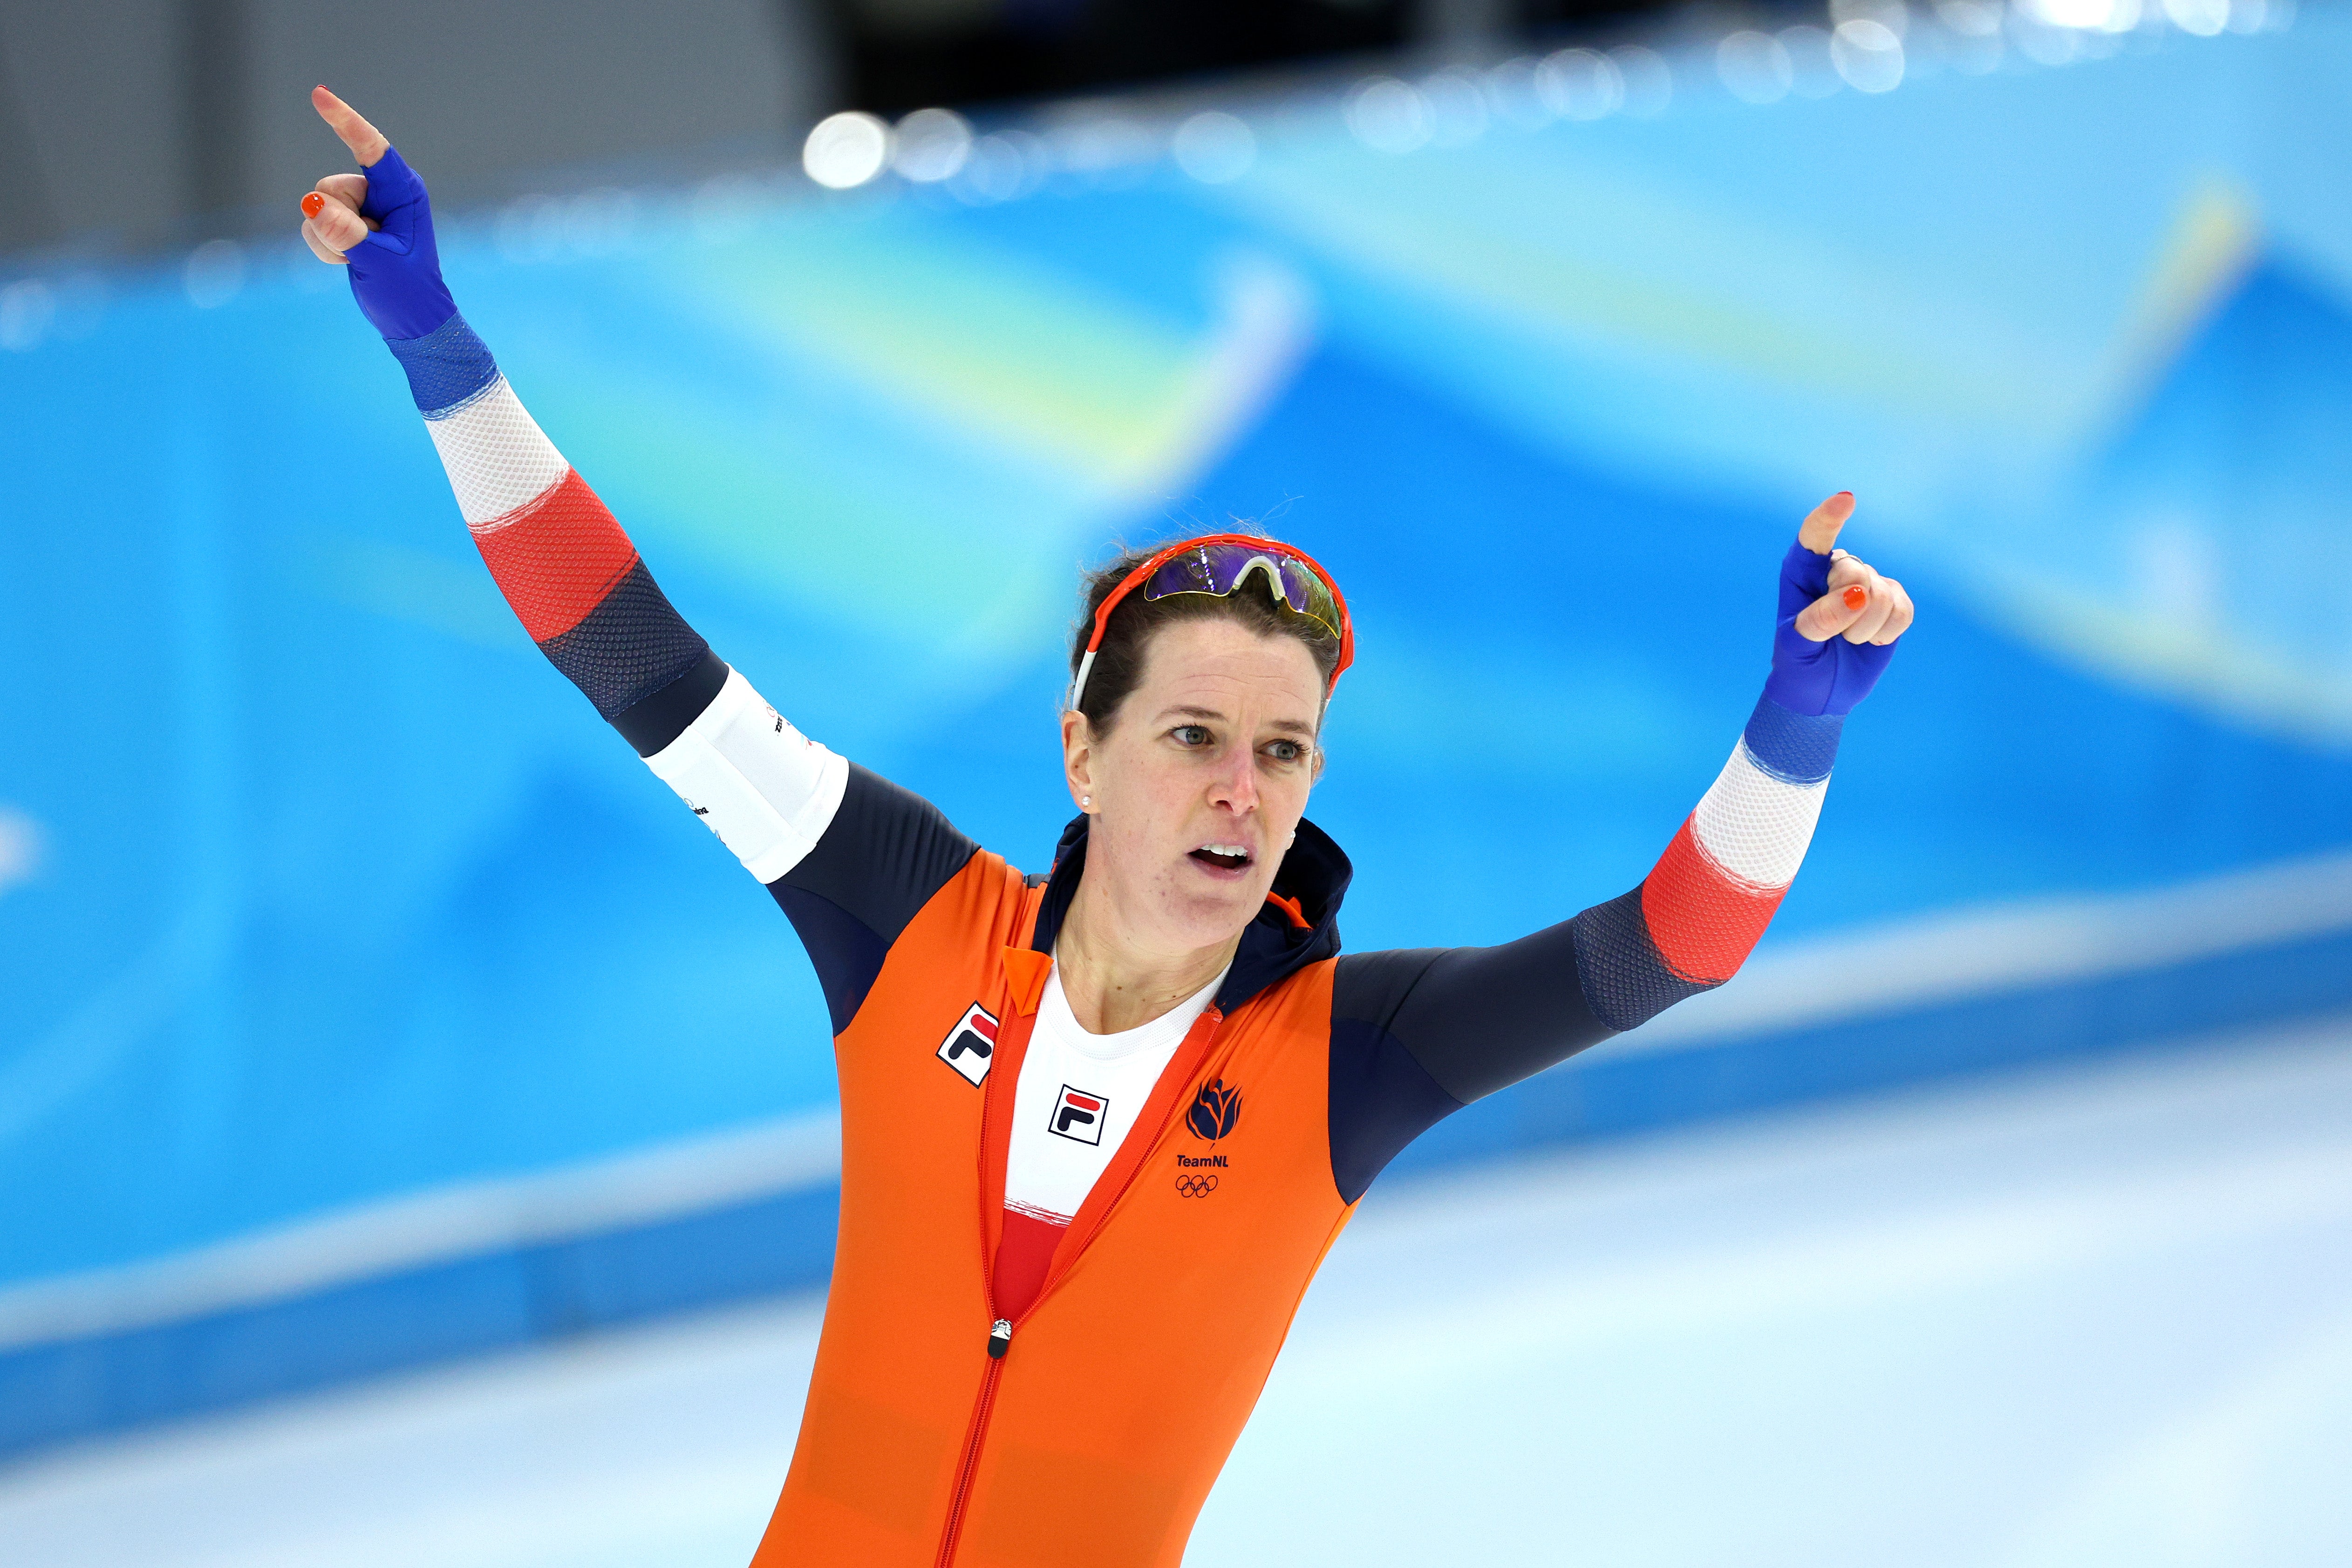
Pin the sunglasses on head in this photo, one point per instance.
(1217, 565)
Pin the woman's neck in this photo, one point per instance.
(1115, 982)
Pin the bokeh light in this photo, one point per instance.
(1213, 147)
(846, 150)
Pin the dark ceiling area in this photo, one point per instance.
(130, 125)
(904, 53)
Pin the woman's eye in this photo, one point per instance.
(1191, 735)
(1286, 750)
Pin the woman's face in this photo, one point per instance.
(1201, 782)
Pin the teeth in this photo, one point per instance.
(1235, 849)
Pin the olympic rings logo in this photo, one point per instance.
(1193, 1186)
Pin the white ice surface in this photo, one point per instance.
(2080, 1319)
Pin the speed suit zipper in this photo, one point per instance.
(977, 1431)
(1001, 1331)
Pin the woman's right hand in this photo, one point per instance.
(1839, 619)
(380, 225)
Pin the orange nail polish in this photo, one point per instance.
(1856, 596)
(313, 205)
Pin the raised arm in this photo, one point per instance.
(570, 574)
(1419, 1034)
(848, 856)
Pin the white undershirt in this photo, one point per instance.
(770, 795)
(1077, 1096)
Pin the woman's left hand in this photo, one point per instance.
(1838, 621)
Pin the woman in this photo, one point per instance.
(1099, 1127)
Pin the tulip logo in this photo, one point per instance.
(1215, 1111)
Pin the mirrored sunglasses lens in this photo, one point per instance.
(1304, 592)
(1308, 594)
(1219, 569)
(1185, 573)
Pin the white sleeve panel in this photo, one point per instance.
(498, 458)
(768, 791)
(1757, 826)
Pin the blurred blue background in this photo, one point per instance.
(364, 1003)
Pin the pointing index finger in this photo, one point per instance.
(366, 142)
(1820, 527)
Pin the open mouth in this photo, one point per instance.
(1224, 856)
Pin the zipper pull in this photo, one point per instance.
(1000, 1336)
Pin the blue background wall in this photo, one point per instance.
(330, 891)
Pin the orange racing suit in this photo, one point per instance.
(1086, 1427)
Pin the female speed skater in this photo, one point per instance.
(1099, 1126)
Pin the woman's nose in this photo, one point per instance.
(1236, 784)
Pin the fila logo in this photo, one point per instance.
(971, 1046)
(1078, 1116)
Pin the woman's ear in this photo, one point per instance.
(1079, 758)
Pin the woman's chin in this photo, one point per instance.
(1212, 907)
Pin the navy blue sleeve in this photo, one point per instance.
(1419, 1033)
(880, 860)
(587, 600)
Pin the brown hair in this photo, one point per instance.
(1118, 663)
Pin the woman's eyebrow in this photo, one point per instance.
(1216, 716)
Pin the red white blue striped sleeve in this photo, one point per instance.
(1696, 917)
(586, 597)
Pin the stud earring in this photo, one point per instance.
(1085, 801)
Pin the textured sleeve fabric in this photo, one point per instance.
(569, 572)
(849, 856)
(1691, 923)
(1417, 1035)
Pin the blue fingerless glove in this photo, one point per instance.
(397, 270)
(1816, 678)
